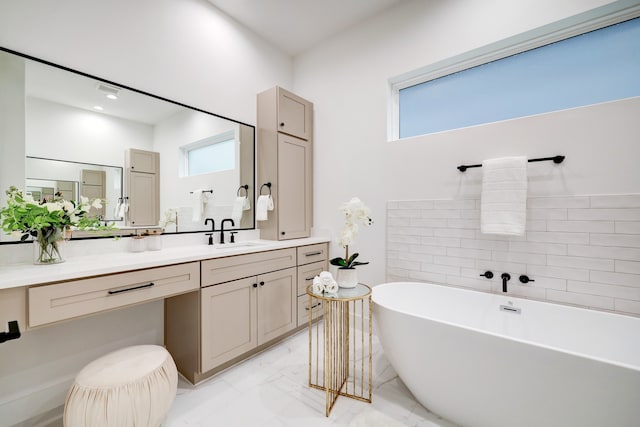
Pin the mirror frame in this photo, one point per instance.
(129, 231)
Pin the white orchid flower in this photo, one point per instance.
(347, 236)
(53, 206)
(68, 206)
(97, 204)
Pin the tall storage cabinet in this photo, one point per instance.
(285, 159)
(142, 186)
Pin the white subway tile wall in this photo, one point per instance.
(579, 250)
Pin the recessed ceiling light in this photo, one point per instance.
(110, 92)
(97, 107)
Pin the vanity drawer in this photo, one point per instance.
(220, 270)
(75, 298)
(303, 309)
(312, 253)
(306, 273)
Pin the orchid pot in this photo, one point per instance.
(347, 277)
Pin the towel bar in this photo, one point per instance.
(556, 159)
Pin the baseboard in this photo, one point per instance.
(51, 418)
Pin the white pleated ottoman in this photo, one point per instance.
(133, 386)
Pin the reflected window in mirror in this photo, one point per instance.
(214, 154)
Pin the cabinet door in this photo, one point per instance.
(294, 114)
(229, 324)
(67, 189)
(93, 187)
(295, 183)
(143, 198)
(277, 304)
(142, 161)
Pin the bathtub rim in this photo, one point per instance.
(503, 336)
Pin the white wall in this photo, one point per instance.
(186, 51)
(12, 126)
(347, 79)
(61, 132)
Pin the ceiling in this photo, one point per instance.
(63, 87)
(296, 25)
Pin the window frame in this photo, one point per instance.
(579, 24)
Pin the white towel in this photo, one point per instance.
(246, 204)
(116, 211)
(503, 208)
(238, 207)
(123, 209)
(264, 204)
(197, 202)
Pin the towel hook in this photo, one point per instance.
(266, 184)
(246, 190)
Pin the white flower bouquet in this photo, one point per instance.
(355, 212)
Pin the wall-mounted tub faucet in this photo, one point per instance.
(505, 278)
(525, 279)
(488, 274)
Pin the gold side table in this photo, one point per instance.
(340, 345)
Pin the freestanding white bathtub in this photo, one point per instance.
(479, 365)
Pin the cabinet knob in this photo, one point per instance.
(255, 285)
(281, 124)
(261, 283)
(283, 233)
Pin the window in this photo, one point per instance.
(213, 154)
(598, 66)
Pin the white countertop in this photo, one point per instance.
(18, 275)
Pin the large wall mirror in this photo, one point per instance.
(63, 130)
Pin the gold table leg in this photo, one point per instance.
(343, 341)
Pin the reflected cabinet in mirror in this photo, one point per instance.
(155, 162)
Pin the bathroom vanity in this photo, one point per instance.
(222, 302)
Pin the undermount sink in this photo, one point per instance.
(238, 245)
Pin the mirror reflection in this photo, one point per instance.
(46, 177)
(154, 161)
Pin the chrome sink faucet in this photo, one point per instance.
(222, 228)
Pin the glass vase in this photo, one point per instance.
(48, 246)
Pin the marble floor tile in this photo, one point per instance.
(270, 390)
